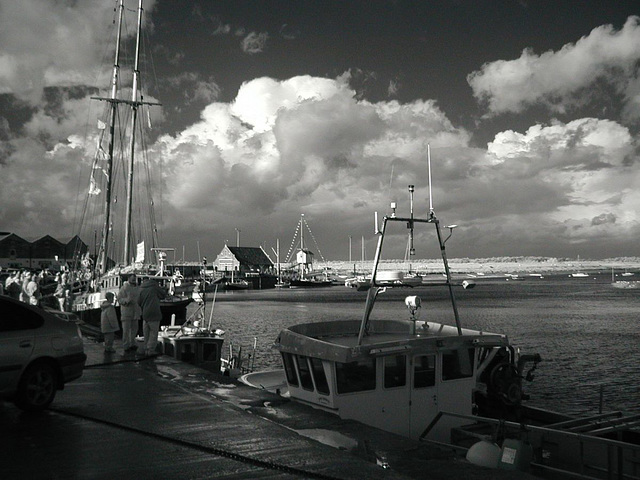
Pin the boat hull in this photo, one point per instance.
(273, 381)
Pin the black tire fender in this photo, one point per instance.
(504, 380)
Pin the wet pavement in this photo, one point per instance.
(138, 417)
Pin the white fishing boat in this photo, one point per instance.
(435, 381)
(579, 275)
(399, 373)
(195, 341)
(114, 174)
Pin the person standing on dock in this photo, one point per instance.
(33, 291)
(149, 300)
(108, 322)
(129, 313)
(25, 278)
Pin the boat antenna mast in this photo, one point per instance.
(375, 288)
(430, 192)
(433, 219)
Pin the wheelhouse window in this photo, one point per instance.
(457, 364)
(424, 371)
(356, 376)
(305, 373)
(395, 371)
(319, 376)
(289, 369)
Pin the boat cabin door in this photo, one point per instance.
(456, 383)
(441, 382)
(424, 393)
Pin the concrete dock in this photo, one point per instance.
(139, 417)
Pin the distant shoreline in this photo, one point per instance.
(500, 266)
(492, 266)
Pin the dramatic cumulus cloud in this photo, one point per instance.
(562, 79)
(308, 145)
(584, 172)
(304, 144)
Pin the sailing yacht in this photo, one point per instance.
(121, 169)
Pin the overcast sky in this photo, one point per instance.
(271, 109)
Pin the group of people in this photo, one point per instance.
(24, 286)
(135, 302)
(27, 286)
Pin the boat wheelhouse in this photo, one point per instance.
(401, 375)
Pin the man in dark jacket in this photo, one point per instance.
(149, 300)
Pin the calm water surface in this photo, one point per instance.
(587, 332)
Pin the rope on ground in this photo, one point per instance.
(213, 450)
(116, 362)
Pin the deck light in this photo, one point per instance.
(413, 303)
(450, 227)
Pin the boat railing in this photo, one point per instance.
(614, 458)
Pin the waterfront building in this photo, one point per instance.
(45, 252)
(242, 261)
(249, 264)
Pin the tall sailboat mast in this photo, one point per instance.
(134, 115)
(102, 254)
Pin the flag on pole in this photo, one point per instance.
(140, 253)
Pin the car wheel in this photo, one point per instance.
(37, 387)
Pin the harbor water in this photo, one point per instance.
(587, 332)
